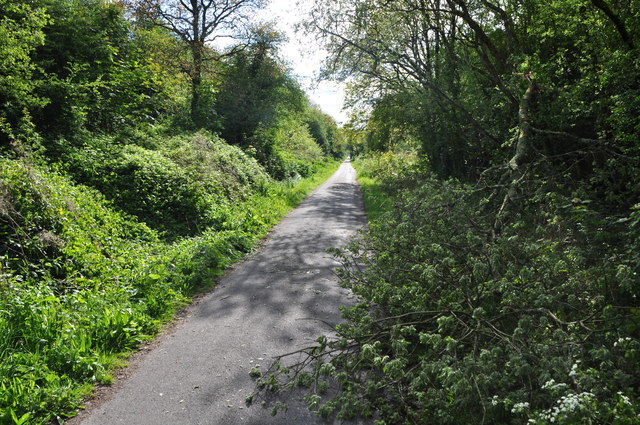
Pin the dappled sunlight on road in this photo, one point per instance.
(278, 300)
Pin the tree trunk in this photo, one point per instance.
(196, 81)
(515, 172)
(197, 49)
(524, 125)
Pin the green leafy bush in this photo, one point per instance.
(370, 169)
(222, 170)
(181, 187)
(143, 183)
(50, 226)
(458, 324)
(288, 148)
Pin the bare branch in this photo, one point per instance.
(567, 136)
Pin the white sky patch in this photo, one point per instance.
(305, 57)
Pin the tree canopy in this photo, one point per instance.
(198, 24)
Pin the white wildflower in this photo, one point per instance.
(495, 401)
(552, 385)
(621, 341)
(520, 407)
(626, 400)
(574, 370)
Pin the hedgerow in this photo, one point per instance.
(82, 284)
(178, 185)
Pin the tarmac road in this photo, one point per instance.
(278, 300)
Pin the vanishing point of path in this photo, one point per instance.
(278, 300)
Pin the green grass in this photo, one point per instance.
(82, 285)
(376, 202)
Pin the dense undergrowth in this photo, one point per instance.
(178, 187)
(537, 324)
(86, 276)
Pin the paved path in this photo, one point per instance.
(273, 303)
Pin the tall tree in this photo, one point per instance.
(21, 33)
(197, 23)
(256, 88)
(91, 71)
(324, 130)
(481, 69)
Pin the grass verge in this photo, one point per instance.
(376, 202)
(82, 285)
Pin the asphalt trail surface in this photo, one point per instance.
(278, 300)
